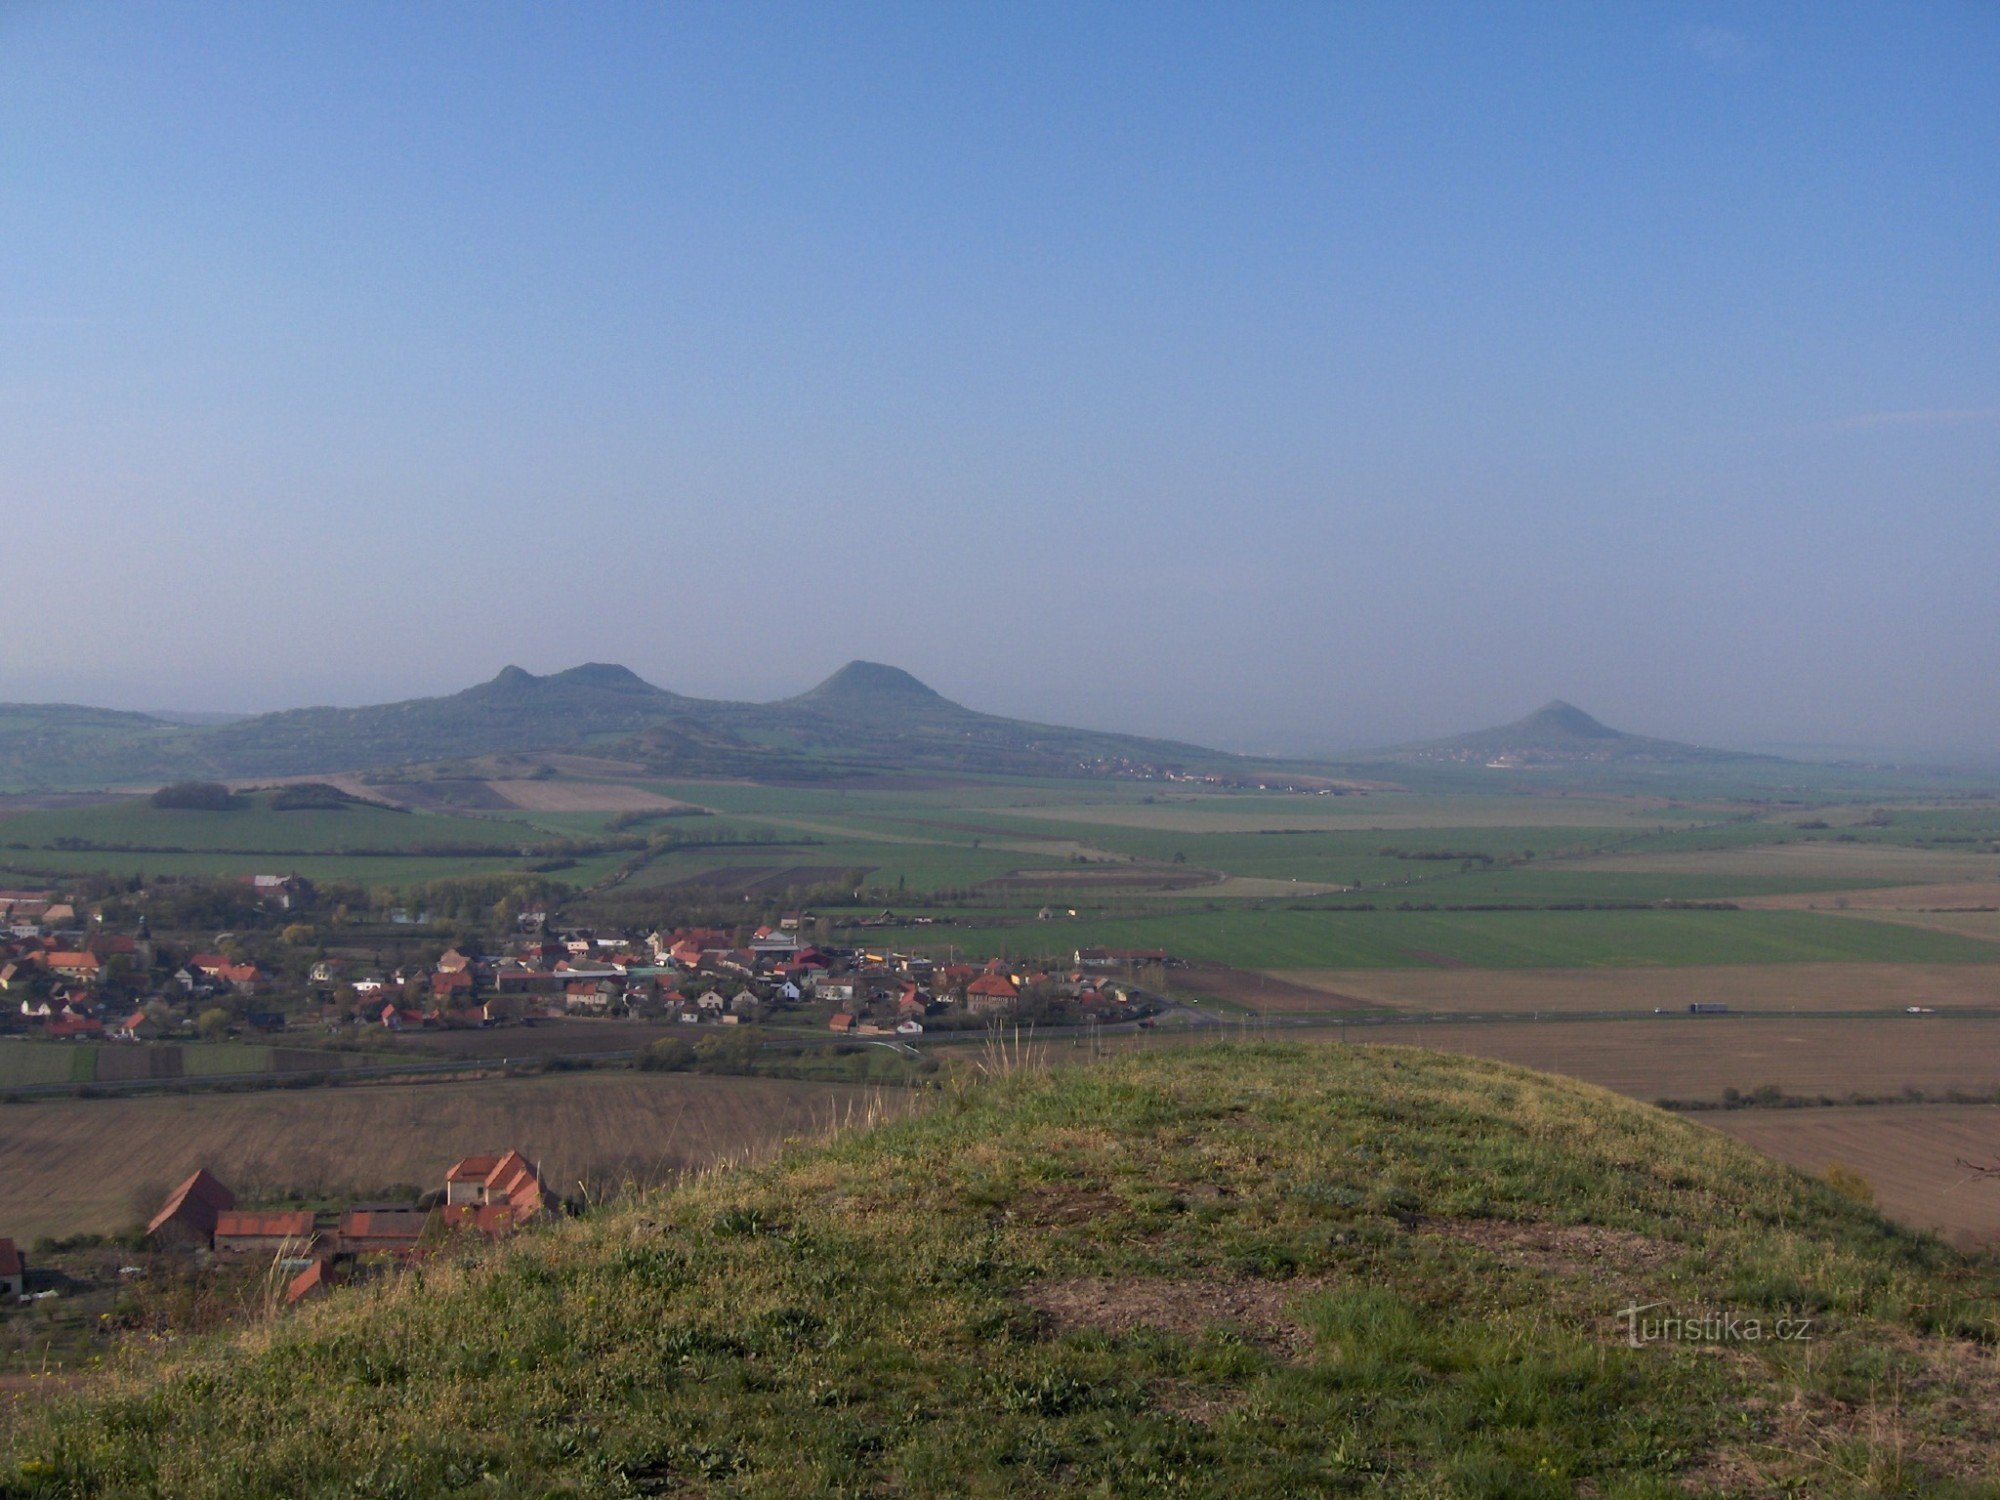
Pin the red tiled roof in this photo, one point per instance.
(472, 1169)
(199, 1202)
(317, 1277)
(289, 1224)
(992, 984)
(402, 1225)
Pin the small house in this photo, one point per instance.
(493, 1194)
(13, 1272)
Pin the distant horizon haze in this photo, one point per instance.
(1278, 375)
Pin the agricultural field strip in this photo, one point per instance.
(1262, 938)
(1818, 987)
(257, 830)
(1913, 1157)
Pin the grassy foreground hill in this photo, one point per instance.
(1246, 1270)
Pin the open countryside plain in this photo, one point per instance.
(99, 1165)
(1495, 903)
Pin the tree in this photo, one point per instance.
(297, 935)
(213, 1023)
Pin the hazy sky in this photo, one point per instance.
(1314, 374)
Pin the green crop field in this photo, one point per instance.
(255, 829)
(26, 1062)
(1327, 939)
(369, 870)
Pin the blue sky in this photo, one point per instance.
(1277, 375)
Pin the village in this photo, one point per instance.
(66, 976)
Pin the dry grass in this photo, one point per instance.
(1910, 1155)
(1746, 987)
(85, 1166)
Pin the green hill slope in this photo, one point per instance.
(1245, 1270)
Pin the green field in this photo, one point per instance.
(1323, 939)
(25, 1062)
(255, 829)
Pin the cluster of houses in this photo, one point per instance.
(83, 985)
(704, 975)
(91, 985)
(488, 1195)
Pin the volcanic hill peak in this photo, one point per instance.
(871, 684)
(1559, 720)
(595, 676)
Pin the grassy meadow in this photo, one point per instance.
(1238, 1271)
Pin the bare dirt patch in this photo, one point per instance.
(1064, 1205)
(582, 796)
(1121, 1304)
(1559, 1249)
(1745, 987)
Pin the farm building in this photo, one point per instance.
(493, 1194)
(392, 1229)
(189, 1215)
(239, 1231)
(13, 1271)
(313, 1281)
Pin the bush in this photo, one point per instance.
(195, 796)
(670, 1054)
(1849, 1183)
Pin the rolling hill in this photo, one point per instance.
(866, 718)
(1561, 734)
(1236, 1270)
